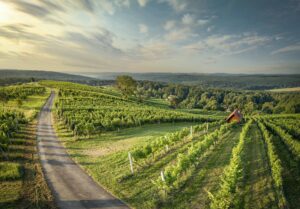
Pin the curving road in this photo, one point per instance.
(71, 186)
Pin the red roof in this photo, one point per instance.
(237, 113)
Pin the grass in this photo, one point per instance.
(30, 106)
(28, 188)
(291, 173)
(257, 189)
(10, 171)
(105, 159)
(206, 176)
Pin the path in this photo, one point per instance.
(258, 178)
(71, 186)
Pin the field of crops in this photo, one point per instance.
(206, 164)
(21, 179)
(90, 110)
(149, 155)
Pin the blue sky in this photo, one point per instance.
(205, 36)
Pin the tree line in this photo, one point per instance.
(195, 96)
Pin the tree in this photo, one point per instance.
(174, 101)
(126, 84)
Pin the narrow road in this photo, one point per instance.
(71, 186)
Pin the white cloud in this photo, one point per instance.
(122, 3)
(143, 3)
(290, 48)
(229, 44)
(202, 22)
(169, 25)
(143, 28)
(111, 6)
(177, 5)
(188, 19)
(154, 50)
(179, 34)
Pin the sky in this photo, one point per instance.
(202, 36)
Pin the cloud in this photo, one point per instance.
(210, 28)
(110, 6)
(153, 50)
(19, 32)
(143, 28)
(179, 34)
(228, 44)
(169, 25)
(122, 3)
(290, 48)
(188, 19)
(142, 3)
(31, 9)
(177, 5)
(87, 4)
(202, 22)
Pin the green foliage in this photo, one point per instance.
(126, 84)
(10, 171)
(9, 124)
(292, 126)
(275, 163)
(169, 139)
(189, 96)
(292, 144)
(226, 195)
(20, 92)
(184, 162)
(82, 107)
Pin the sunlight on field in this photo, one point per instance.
(295, 89)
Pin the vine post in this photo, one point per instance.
(130, 162)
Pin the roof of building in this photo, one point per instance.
(236, 112)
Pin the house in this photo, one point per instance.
(236, 115)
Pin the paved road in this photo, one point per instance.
(71, 186)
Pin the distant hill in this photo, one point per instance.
(218, 80)
(9, 76)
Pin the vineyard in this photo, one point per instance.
(90, 110)
(19, 106)
(153, 156)
(205, 164)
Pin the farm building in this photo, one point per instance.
(236, 115)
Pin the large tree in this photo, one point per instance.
(126, 84)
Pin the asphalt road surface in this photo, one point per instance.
(71, 186)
